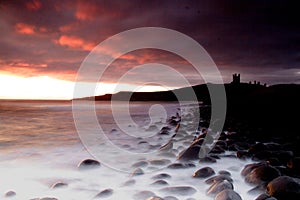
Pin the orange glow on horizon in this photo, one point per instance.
(45, 87)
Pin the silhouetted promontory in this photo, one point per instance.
(273, 109)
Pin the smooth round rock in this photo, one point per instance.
(10, 194)
(204, 172)
(143, 195)
(137, 172)
(88, 163)
(59, 185)
(160, 183)
(228, 194)
(179, 190)
(262, 174)
(218, 187)
(129, 182)
(284, 187)
(161, 176)
(219, 178)
(104, 194)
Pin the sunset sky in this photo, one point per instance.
(43, 42)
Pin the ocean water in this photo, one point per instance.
(40, 146)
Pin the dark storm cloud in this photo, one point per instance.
(257, 37)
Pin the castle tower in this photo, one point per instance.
(236, 79)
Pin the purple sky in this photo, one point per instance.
(259, 38)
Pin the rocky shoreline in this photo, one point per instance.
(273, 171)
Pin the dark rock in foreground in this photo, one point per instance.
(228, 194)
(262, 174)
(179, 190)
(10, 194)
(88, 163)
(218, 187)
(204, 172)
(284, 188)
(104, 193)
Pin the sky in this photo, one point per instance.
(43, 43)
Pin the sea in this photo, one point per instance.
(43, 142)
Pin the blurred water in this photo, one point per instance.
(39, 146)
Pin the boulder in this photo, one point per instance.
(191, 153)
(228, 194)
(180, 190)
(161, 176)
(180, 165)
(10, 194)
(262, 174)
(137, 172)
(59, 185)
(284, 187)
(159, 183)
(143, 195)
(294, 164)
(204, 172)
(88, 163)
(248, 168)
(218, 178)
(218, 187)
(265, 197)
(104, 194)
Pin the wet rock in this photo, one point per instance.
(167, 154)
(170, 198)
(161, 176)
(204, 172)
(143, 195)
(218, 187)
(284, 187)
(89, 163)
(262, 155)
(228, 194)
(59, 185)
(155, 198)
(165, 130)
(180, 165)
(159, 162)
(141, 163)
(10, 194)
(283, 156)
(224, 172)
(258, 189)
(191, 153)
(294, 164)
(207, 159)
(218, 178)
(137, 172)
(258, 147)
(104, 194)
(160, 183)
(265, 197)
(180, 190)
(129, 182)
(167, 147)
(243, 154)
(262, 174)
(217, 150)
(248, 168)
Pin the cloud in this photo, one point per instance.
(26, 29)
(90, 10)
(33, 5)
(241, 36)
(74, 42)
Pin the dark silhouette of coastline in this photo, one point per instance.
(270, 109)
